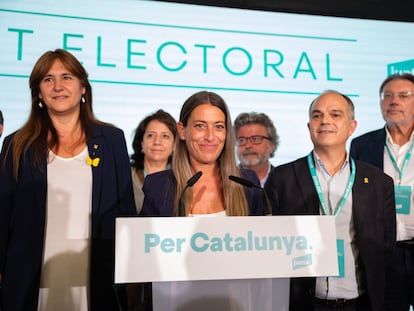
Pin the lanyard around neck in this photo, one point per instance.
(405, 163)
(318, 187)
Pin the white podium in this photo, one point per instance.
(228, 263)
(235, 295)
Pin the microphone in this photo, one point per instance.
(250, 184)
(190, 183)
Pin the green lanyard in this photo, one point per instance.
(318, 187)
(405, 163)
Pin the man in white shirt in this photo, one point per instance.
(390, 149)
(329, 182)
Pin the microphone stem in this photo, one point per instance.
(181, 207)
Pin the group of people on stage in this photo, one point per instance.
(65, 176)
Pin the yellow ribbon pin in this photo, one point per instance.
(92, 162)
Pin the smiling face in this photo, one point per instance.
(330, 123)
(396, 109)
(158, 142)
(60, 90)
(205, 134)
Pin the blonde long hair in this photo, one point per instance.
(235, 201)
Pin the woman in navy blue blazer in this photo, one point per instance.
(64, 177)
(205, 147)
(205, 144)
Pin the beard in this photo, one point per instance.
(252, 159)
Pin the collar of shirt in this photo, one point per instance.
(392, 145)
(263, 181)
(320, 166)
(398, 152)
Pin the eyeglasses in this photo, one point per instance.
(403, 96)
(254, 140)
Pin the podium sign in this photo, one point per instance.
(157, 249)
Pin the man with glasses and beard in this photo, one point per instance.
(256, 142)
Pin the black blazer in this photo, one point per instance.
(159, 190)
(292, 192)
(369, 148)
(22, 221)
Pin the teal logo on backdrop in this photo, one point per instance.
(302, 261)
(406, 66)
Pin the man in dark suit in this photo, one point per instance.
(361, 197)
(256, 143)
(389, 149)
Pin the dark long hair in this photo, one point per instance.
(38, 131)
(137, 158)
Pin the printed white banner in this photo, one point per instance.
(147, 55)
(204, 248)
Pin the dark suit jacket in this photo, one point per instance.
(159, 190)
(22, 221)
(369, 148)
(291, 191)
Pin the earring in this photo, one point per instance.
(40, 104)
(83, 100)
